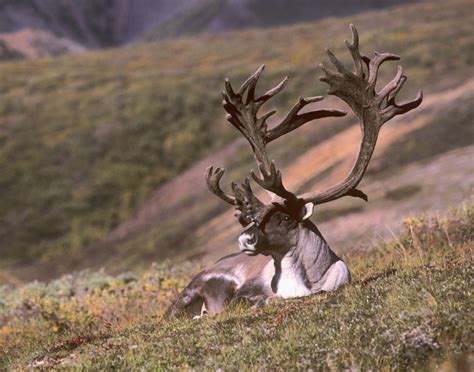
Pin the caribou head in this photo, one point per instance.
(291, 256)
(277, 231)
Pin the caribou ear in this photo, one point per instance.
(308, 211)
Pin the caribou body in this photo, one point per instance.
(283, 254)
(300, 265)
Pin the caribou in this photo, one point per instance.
(283, 254)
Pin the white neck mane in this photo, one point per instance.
(308, 267)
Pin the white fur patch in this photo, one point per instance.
(229, 276)
(337, 275)
(309, 207)
(203, 312)
(290, 283)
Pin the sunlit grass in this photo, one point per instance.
(409, 306)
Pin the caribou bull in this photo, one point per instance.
(283, 254)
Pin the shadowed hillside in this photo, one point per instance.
(91, 144)
(33, 28)
(223, 15)
(88, 22)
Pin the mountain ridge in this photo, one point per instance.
(75, 25)
(214, 16)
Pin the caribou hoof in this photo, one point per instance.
(203, 313)
(272, 300)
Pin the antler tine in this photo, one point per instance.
(375, 64)
(242, 114)
(271, 181)
(390, 91)
(394, 109)
(353, 48)
(335, 62)
(372, 108)
(272, 92)
(391, 86)
(251, 81)
(250, 207)
(293, 120)
(213, 178)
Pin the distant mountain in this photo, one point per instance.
(222, 15)
(89, 22)
(32, 43)
(78, 24)
(75, 25)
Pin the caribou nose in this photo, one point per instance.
(248, 239)
(252, 240)
(247, 243)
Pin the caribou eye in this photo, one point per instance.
(286, 218)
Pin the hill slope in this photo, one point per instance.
(87, 140)
(408, 307)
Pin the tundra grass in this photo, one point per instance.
(409, 307)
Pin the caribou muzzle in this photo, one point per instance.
(248, 243)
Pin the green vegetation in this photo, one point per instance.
(409, 306)
(85, 139)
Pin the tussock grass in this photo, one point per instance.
(409, 307)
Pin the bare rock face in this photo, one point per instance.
(7, 53)
(29, 43)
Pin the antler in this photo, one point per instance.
(242, 114)
(271, 181)
(213, 179)
(250, 207)
(242, 108)
(372, 108)
(357, 89)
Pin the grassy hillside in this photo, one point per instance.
(85, 139)
(409, 307)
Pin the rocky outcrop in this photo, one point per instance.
(31, 43)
